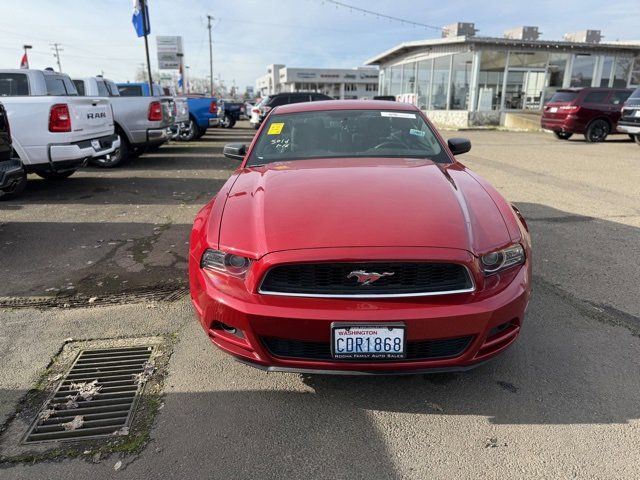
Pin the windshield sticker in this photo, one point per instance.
(275, 128)
(398, 115)
(417, 133)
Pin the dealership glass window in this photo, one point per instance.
(621, 70)
(492, 65)
(635, 73)
(556, 73)
(408, 77)
(423, 83)
(582, 71)
(607, 66)
(439, 88)
(528, 60)
(460, 76)
(396, 80)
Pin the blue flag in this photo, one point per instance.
(142, 28)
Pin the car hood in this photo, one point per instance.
(356, 203)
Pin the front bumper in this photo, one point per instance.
(82, 150)
(492, 321)
(628, 127)
(11, 171)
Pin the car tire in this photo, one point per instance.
(200, 133)
(228, 122)
(15, 189)
(55, 175)
(563, 135)
(190, 133)
(597, 131)
(116, 159)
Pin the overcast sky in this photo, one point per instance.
(97, 35)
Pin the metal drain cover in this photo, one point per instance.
(96, 397)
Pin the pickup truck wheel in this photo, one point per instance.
(56, 175)
(597, 131)
(190, 132)
(230, 121)
(15, 189)
(563, 135)
(114, 159)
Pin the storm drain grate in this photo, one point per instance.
(96, 397)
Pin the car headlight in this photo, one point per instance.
(497, 261)
(225, 262)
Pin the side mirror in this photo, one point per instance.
(236, 151)
(459, 146)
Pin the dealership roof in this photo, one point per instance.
(419, 45)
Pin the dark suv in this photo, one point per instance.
(278, 99)
(12, 175)
(593, 112)
(629, 122)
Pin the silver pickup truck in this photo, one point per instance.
(142, 123)
(54, 131)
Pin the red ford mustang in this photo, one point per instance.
(350, 240)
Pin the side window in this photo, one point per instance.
(13, 84)
(113, 89)
(298, 98)
(102, 89)
(80, 87)
(618, 98)
(55, 85)
(280, 100)
(130, 90)
(595, 97)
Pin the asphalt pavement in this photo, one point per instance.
(562, 402)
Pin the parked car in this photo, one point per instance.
(203, 114)
(254, 114)
(351, 240)
(229, 112)
(12, 176)
(140, 122)
(272, 101)
(629, 122)
(54, 131)
(593, 112)
(247, 110)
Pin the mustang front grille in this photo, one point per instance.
(420, 350)
(367, 280)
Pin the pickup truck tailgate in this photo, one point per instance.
(90, 117)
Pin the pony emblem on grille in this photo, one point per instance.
(367, 278)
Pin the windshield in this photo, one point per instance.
(346, 133)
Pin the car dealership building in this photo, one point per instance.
(339, 83)
(463, 79)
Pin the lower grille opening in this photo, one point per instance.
(416, 350)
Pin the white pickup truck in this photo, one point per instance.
(141, 123)
(54, 131)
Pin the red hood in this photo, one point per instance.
(359, 202)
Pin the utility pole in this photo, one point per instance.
(56, 49)
(209, 18)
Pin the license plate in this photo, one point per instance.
(553, 109)
(95, 144)
(368, 342)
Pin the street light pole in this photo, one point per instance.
(209, 18)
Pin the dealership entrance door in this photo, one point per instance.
(523, 89)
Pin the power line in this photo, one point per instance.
(381, 15)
